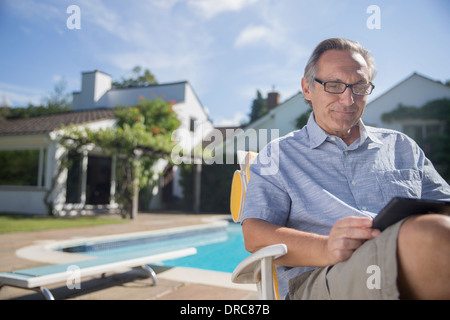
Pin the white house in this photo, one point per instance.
(414, 91)
(91, 185)
(96, 92)
(33, 144)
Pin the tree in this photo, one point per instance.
(302, 120)
(57, 101)
(142, 135)
(137, 79)
(259, 107)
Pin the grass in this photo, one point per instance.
(20, 223)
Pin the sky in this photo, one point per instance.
(226, 49)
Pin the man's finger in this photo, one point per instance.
(356, 222)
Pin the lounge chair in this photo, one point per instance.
(37, 278)
(258, 268)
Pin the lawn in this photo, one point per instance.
(16, 222)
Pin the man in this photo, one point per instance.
(332, 178)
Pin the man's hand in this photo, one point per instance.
(347, 235)
(309, 249)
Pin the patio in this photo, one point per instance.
(173, 283)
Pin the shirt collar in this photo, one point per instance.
(317, 135)
(366, 133)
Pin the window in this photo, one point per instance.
(22, 167)
(434, 129)
(192, 124)
(73, 184)
(413, 131)
(419, 132)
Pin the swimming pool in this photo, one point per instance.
(220, 256)
(220, 247)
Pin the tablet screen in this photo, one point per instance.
(399, 208)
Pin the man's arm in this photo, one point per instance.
(310, 249)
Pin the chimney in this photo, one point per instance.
(94, 85)
(273, 100)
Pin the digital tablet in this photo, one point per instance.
(399, 208)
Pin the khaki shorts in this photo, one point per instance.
(370, 273)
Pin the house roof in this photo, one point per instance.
(413, 75)
(44, 124)
(271, 112)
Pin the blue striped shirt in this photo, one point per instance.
(308, 179)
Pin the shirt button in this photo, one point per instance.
(364, 208)
(353, 183)
(346, 152)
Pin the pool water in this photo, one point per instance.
(218, 249)
(220, 256)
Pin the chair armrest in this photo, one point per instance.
(249, 270)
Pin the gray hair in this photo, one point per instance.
(337, 44)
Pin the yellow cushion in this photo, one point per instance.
(238, 189)
(237, 197)
(239, 184)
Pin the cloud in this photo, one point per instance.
(166, 4)
(104, 16)
(13, 95)
(38, 13)
(255, 34)
(5, 101)
(209, 9)
(168, 43)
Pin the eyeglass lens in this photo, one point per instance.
(338, 87)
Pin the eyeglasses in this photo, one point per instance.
(358, 89)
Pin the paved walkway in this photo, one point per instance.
(174, 283)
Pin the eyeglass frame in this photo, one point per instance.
(324, 83)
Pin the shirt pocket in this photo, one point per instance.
(400, 183)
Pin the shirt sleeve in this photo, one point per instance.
(433, 185)
(266, 196)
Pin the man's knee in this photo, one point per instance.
(425, 230)
(423, 259)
